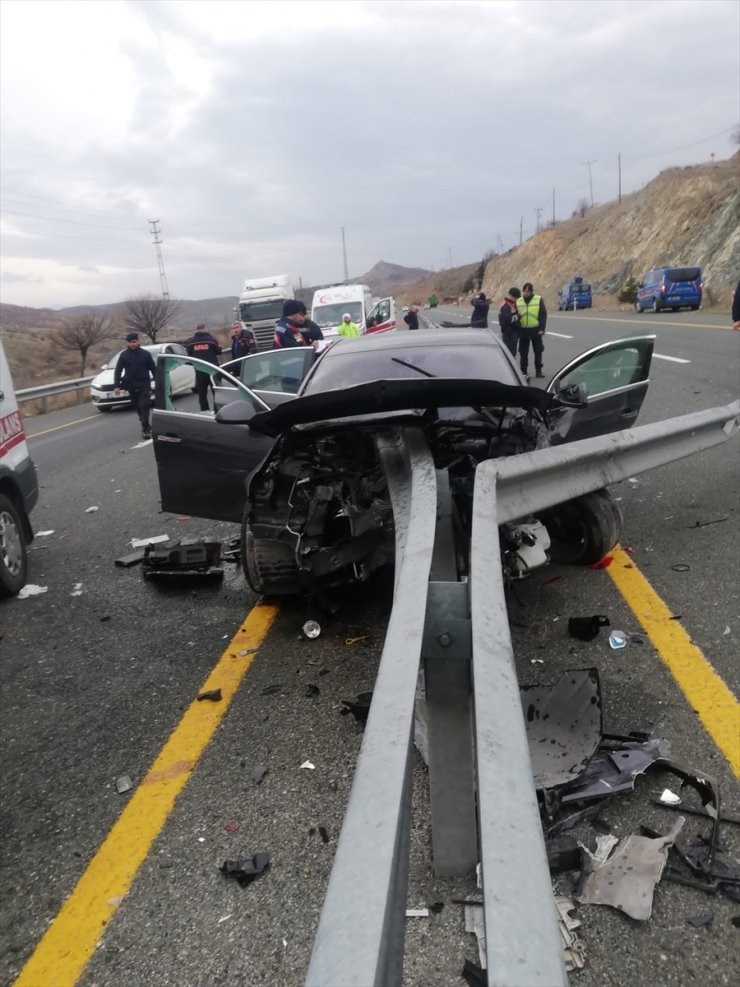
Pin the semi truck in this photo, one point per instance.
(261, 305)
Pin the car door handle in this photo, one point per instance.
(169, 437)
(628, 413)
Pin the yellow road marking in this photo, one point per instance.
(705, 691)
(69, 942)
(645, 323)
(68, 425)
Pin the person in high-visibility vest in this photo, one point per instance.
(348, 328)
(532, 323)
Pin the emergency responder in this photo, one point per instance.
(134, 372)
(203, 346)
(479, 318)
(348, 328)
(243, 342)
(288, 329)
(532, 323)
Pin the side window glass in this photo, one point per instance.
(384, 311)
(277, 371)
(608, 370)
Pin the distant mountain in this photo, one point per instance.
(384, 277)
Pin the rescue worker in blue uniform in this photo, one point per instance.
(532, 323)
(203, 346)
(135, 369)
(288, 331)
(508, 320)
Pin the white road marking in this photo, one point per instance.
(673, 359)
(560, 335)
(140, 445)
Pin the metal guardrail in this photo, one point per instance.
(483, 799)
(44, 391)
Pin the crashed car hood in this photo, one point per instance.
(401, 394)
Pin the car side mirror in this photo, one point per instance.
(235, 413)
(573, 395)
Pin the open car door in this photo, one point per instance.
(381, 317)
(616, 378)
(202, 464)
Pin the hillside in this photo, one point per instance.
(683, 216)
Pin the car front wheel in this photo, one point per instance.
(638, 308)
(13, 558)
(585, 529)
(656, 306)
(269, 565)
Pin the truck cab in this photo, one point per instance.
(261, 305)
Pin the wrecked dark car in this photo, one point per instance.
(292, 456)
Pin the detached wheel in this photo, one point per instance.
(269, 565)
(13, 557)
(585, 529)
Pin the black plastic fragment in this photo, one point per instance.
(245, 871)
(213, 694)
(131, 559)
(312, 691)
(586, 628)
(563, 853)
(699, 921)
(187, 559)
(324, 834)
(436, 907)
(272, 689)
(473, 975)
(736, 921)
(359, 707)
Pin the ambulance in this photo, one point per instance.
(19, 488)
(330, 304)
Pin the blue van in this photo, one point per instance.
(576, 294)
(670, 287)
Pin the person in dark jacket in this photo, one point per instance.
(134, 372)
(288, 330)
(479, 318)
(508, 320)
(203, 346)
(312, 333)
(532, 322)
(243, 342)
(412, 317)
(736, 308)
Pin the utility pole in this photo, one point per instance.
(521, 230)
(158, 245)
(449, 256)
(619, 169)
(344, 255)
(538, 211)
(553, 205)
(500, 240)
(590, 183)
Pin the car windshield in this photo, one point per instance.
(331, 315)
(578, 288)
(261, 311)
(346, 368)
(110, 363)
(683, 274)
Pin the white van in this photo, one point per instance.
(19, 489)
(330, 304)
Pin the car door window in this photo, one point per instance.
(280, 370)
(609, 367)
(167, 369)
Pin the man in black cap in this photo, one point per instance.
(203, 346)
(289, 330)
(480, 304)
(508, 320)
(134, 372)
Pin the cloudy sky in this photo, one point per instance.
(254, 131)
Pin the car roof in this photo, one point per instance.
(415, 340)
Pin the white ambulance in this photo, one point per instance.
(330, 304)
(19, 489)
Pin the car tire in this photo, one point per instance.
(269, 565)
(102, 407)
(583, 530)
(694, 308)
(638, 308)
(656, 306)
(13, 555)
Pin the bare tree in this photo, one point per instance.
(82, 332)
(148, 314)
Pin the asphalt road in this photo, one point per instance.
(94, 684)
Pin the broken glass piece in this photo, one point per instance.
(563, 724)
(626, 880)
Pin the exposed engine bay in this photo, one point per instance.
(320, 512)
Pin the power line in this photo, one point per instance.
(58, 205)
(73, 222)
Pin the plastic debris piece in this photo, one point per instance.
(703, 524)
(124, 784)
(681, 567)
(627, 879)
(31, 590)
(309, 765)
(44, 534)
(603, 563)
(213, 694)
(670, 798)
(736, 921)
(359, 707)
(231, 827)
(563, 723)
(633, 480)
(258, 773)
(270, 690)
(312, 691)
(184, 559)
(586, 628)
(91, 510)
(726, 631)
(246, 870)
(617, 640)
(563, 853)
(154, 540)
(536, 661)
(248, 651)
(436, 907)
(574, 953)
(76, 590)
(475, 922)
(311, 629)
(700, 921)
(130, 559)
(417, 913)
(324, 834)
(267, 810)
(224, 918)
